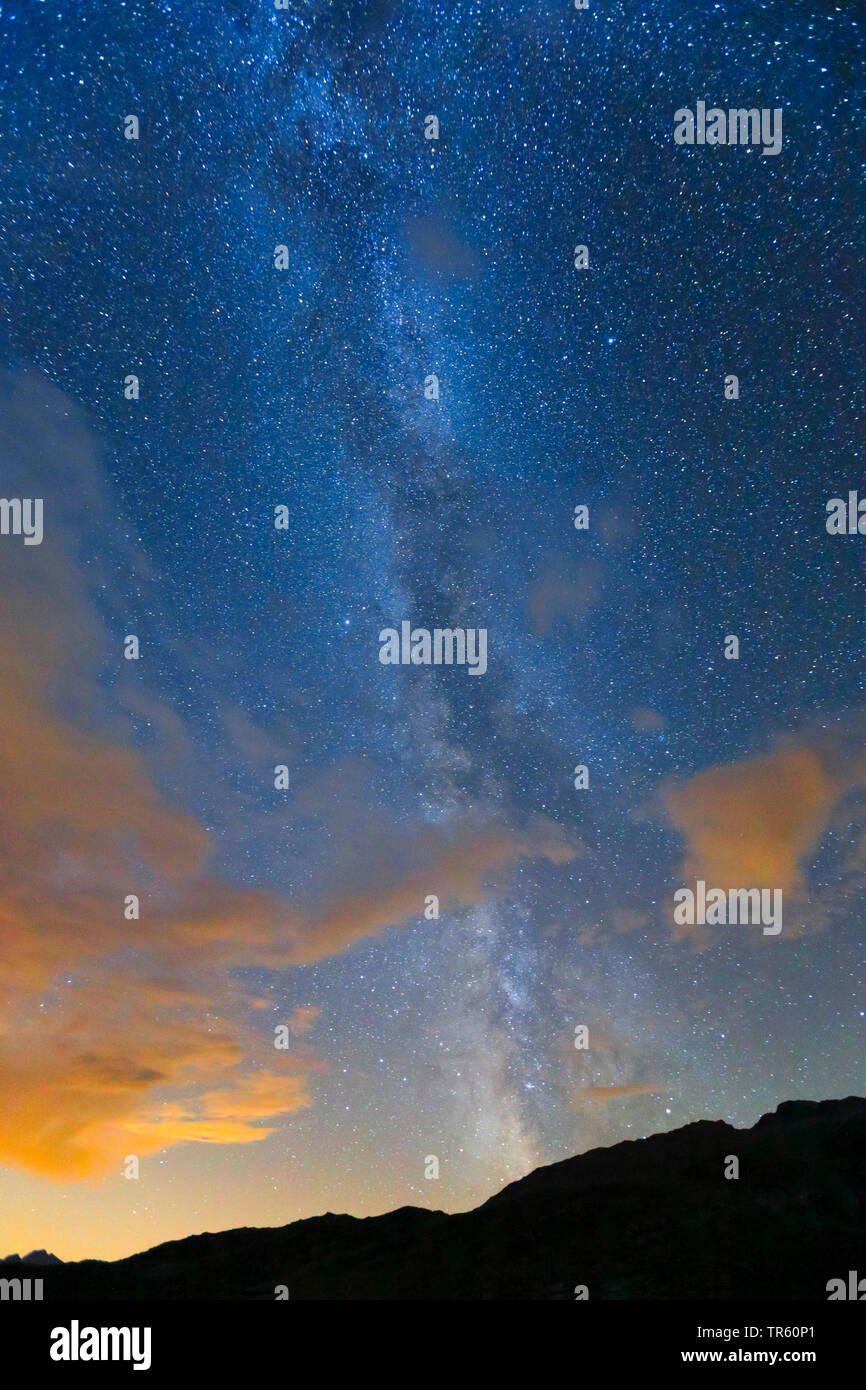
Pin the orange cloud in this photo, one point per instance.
(457, 873)
(303, 1018)
(118, 1067)
(755, 822)
(594, 1095)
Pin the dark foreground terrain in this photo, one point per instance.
(649, 1219)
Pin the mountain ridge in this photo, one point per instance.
(645, 1218)
(36, 1257)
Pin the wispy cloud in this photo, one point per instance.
(120, 1035)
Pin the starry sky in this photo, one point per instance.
(303, 906)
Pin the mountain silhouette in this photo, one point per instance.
(36, 1257)
(651, 1218)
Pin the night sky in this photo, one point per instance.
(259, 647)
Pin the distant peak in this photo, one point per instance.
(36, 1257)
(792, 1111)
